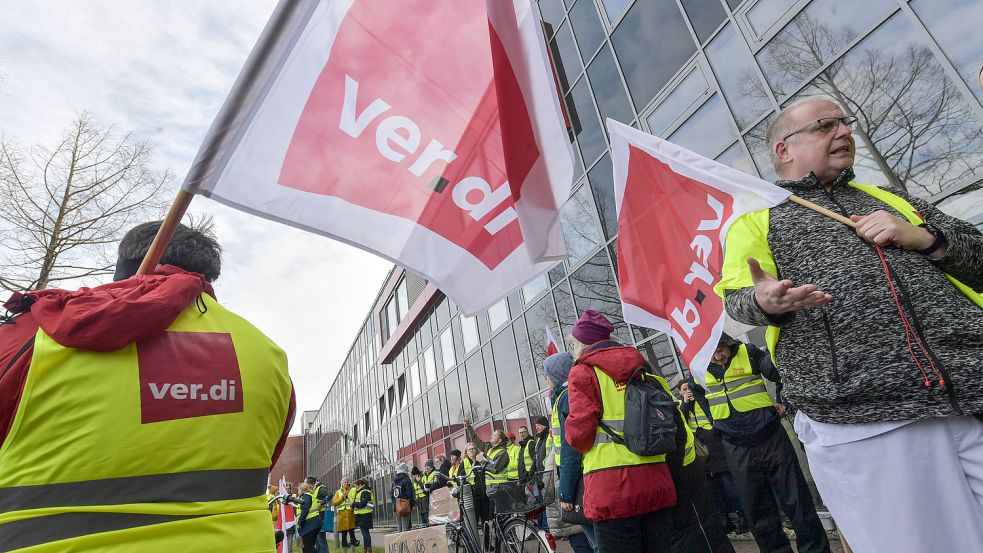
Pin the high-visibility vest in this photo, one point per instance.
(430, 477)
(555, 426)
(606, 453)
(317, 504)
(96, 459)
(689, 451)
(346, 498)
(748, 237)
(419, 490)
(512, 469)
(740, 387)
(529, 455)
(493, 478)
(368, 508)
(312, 512)
(467, 469)
(698, 419)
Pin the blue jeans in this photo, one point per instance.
(591, 538)
(424, 516)
(321, 545)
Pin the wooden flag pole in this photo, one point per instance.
(823, 210)
(167, 229)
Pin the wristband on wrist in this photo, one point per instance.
(936, 243)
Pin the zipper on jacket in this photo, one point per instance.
(832, 347)
(20, 352)
(949, 386)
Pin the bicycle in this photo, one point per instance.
(510, 529)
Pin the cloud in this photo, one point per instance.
(162, 70)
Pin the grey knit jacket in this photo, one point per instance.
(849, 361)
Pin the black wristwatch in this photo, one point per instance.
(936, 243)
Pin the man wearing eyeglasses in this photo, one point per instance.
(876, 333)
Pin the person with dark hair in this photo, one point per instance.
(149, 363)
(364, 504)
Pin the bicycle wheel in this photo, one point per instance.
(523, 536)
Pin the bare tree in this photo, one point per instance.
(64, 207)
(914, 125)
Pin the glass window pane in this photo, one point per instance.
(691, 91)
(652, 43)
(477, 385)
(735, 69)
(452, 395)
(708, 131)
(660, 354)
(507, 368)
(557, 273)
(404, 305)
(705, 15)
(586, 27)
(579, 225)
(816, 35)
(491, 381)
(401, 390)
(765, 13)
(613, 8)
(534, 288)
(565, 57)
(966, 205)
(601, 178)
(429, 366)
(530, 370)
(392, 317)
(414, 375)
(612, 99)
(913, 119)
(757, 144)
(469, 333)
(552, 11)
(436, 418)
(448, 356)
(594, 287)
(498, 314)
(586, 125)
(539, 317)
(734, 3)
(736, 157)
(565, 310)
(955, 25)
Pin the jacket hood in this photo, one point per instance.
(108, 317)
(617, 361)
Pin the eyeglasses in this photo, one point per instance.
(825, 125)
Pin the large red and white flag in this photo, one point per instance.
(286, 518)
(674, 208)
(427, 131)
(551, 344)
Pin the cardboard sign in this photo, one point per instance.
(424, 540)
(444, 508)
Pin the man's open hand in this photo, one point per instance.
(779, 296)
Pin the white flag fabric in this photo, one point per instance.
(286, 517)
(674, 208)
(427, 131)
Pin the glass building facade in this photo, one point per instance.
(709, 75)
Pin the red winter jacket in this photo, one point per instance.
(616, 492)
(104, 318)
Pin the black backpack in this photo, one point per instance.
(650, 423)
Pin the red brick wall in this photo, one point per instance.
(290, 465)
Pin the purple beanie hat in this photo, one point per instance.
(592, 327)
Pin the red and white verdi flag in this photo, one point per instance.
(551, 344)
(426, 131)
(674, 208)
(285, 518)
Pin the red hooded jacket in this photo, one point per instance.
(104, 318)
(622, 491)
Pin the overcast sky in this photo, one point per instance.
(162, 69)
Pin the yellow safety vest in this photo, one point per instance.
(512, 469)
(606, 453)
(689, 451)
(740, 388)
(698, 419)
(748, 237)
(317, 504)
(80, 470)
(367, 510)
(419, 490)
(493, 478)
(529, 455)
(312, 512)
(555, 427)
(467, 469)
(346, 498)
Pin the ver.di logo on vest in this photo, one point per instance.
(188, 374)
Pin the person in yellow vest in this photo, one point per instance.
(627, 496)
(309, 519)
(456, 468)
(345, 514)
(110, 403)
(876, 332)
(499, 462)
(422, 498)
(321, 496)
(759, 452)
(719, 480)
(363, 501)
